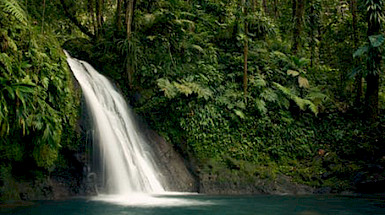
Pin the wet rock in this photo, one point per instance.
(175, 169)
(323, 190)
(235, 185)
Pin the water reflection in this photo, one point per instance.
(209, 205)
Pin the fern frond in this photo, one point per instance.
(269, 95)
(316, 97)
(202, 92)
(283, 89)
(261, 106)
(198, 48)
(6, 61)
(168, 88)
(183, 21)
(260, 81)
(312, 107)
(183, 88)
(13, 8)
(302, 103)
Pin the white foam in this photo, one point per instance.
(145, 200)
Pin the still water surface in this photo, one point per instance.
(210, 205)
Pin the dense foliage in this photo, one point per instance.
(259, 87)
(38, 104)
(263, 83)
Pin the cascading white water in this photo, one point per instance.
(126, 156)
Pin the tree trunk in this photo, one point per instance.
(264, 4)
(255, 5)
(373, 78)
(245, 49)
(91, 8)
(129, 18)
(42, 21)
(320, 40)
(276, 9)
(293, 8)
(118, 15)
(358, 81)
(245, 56)
(371, 96)
(312, 37)
(99, 15)
(298, 20)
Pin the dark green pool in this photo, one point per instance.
(210, 205)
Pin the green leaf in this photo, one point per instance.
(151, 37)
(376, 40)
(261, 106)
(11, 92)
(303, 82)
(200, 49)
(292, 72)
(25, 65)
(303, 61)
(259, 81)
(355, 71)
(279, 55)
(240, 114)
(316, 97)
(360, 51)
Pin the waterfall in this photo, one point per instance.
(127, 163)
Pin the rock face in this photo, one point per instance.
(173, 167)
(61, 183)
(281, 185)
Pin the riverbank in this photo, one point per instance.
(212, 178)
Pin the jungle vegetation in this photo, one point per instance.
(288, 87)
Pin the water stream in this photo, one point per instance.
(126, 159)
